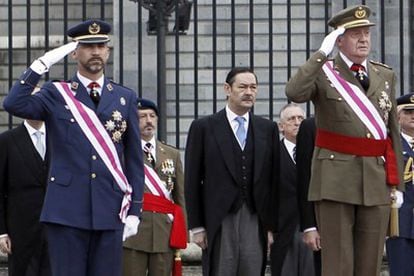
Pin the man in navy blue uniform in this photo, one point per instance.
(96, 178)
(400, 250)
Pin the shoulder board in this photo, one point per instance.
(60, 81)
(167, 145)
(117, 84)
(380, 64)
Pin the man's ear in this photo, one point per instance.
(227, 88)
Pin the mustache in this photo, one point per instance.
(95, 59)
(249, 98)
(149, 125)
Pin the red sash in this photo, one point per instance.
(178, 236)
(361, 147)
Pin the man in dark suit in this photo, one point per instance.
(23, 175)
(305, 143)
(151, 251)
(289, 255)
(230, 181)
(400, 250)
(95, 185)
(356, 128)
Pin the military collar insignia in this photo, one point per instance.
(109, 87)
(74, 85)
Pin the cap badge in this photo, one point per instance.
(412, 99)
(360, 13)
(94, 28)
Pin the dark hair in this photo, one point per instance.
(238, 70)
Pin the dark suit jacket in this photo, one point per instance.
(81, 190)
(210, 180)
(288, 211)
(305, 142)
(23, 176)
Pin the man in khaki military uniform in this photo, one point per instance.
(150, 251)
(357, 131)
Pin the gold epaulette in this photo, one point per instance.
(380, 64)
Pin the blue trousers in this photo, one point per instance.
(81, 252)
(400, 253)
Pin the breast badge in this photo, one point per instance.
(116, 126)
(168, 169)
(385, 105)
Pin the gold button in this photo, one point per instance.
(72, 120)
(332, 156)
(52, 179)
(339, 99)
(93, 175)
(22, 82)
(319, 60)
(94, 157)
(368, 135)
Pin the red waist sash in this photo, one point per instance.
(178, 236)
(361, 147)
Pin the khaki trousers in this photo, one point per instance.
(138, 263)
(352, 237)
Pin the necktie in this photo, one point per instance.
(147, 150)
(39, 145)
(294, 153)
(94, 93)
(241, 131)
(361, 75)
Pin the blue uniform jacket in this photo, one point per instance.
(81, 190)
(406, 212)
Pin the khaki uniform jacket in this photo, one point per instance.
(154, 229)
(337, 176)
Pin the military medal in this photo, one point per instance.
(168, 169)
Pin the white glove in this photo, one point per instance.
(42, 64)
(131, 227)
(399, 198)
(329, 41)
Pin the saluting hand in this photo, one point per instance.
(329, 42)
(43, 64)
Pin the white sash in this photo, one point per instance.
(358, 102)
(155, 185)
(100, 140)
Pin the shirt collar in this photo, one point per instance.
(231, 115)
(408, 138)
(85, 81)
(31, 130)
(349, 62)
(152, 142)
(289, 145)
